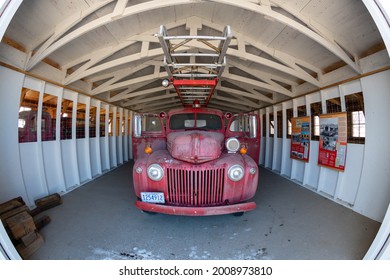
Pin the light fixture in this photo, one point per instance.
(165, 83)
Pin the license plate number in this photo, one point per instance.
(153, 197)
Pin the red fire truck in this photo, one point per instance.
(188, 162)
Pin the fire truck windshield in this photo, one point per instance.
(195, 121)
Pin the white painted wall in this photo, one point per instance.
(12, 183)
(36, 169)
(367, 174)
(374, 189)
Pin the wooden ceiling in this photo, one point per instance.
(108, 49)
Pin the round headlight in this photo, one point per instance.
(155, 172)
(236, 172)
(232, 144)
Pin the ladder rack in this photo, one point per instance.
(194, 64)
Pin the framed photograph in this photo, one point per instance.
(333, 140)
(300, 138)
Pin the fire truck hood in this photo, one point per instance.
(195, 146)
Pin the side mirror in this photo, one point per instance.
(252, 126)
(137, 126)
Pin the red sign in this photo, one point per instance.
(300, 138)
(333, 140)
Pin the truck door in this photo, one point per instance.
(246, 128)
(148, 132)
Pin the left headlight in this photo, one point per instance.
(155, 172)
(236, 172)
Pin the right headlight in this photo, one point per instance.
(155, 172)
(232, 144)
(236, 172)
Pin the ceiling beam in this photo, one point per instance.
(60, 30)
(53, 44)
(243, 93)
(150, 99)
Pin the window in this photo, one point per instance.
(66, 119)
(199, 121)
(102, 122)
(118, 124)
(302, 111)
(49, 114)
(333, 105)
(289, 116)
(92, 122)
(271, 125)
(151, 124)
(28, 113)
(128, 125)
(356, 120)
(315, 112)
(110, 120)
(80, 121)
(279, 119)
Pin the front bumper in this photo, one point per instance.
(195, 211)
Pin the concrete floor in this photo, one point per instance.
(99, 221)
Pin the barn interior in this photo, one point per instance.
(89, 66)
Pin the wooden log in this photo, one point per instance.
(42, 221)
(29, 238)
(27, 251)
(11, 204)
(21, 224)
(46, 203)
(14, 212)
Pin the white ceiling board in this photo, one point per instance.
(104, 49)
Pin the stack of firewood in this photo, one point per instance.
(23, 224)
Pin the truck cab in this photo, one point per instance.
(195, 162)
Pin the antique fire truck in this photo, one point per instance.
(195, 165)
(195, 160)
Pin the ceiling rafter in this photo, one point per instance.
(240, 97)
(137, 80)
(235, 100)
(160, 108)
(120, 74)
(136, 93)
(49, 48)
(309, 21)
(57, 41)
(282, 57)
(258, 84)
(93, 59)
(60, 30)
(174, 101)
(269, 13)
(256, 96)
(265, 76)
(229, 105)
(150, 99)
(99, 55)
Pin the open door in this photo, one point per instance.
(246, 128)
(148, 132)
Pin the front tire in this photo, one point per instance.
(238, 214)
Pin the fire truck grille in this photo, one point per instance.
(195, 187)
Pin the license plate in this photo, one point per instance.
(153, 197)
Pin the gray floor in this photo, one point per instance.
(99, 221)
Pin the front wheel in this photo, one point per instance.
(238, 214)
(148, 212)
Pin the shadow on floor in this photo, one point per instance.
(99, 221)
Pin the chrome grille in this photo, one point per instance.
(195, 187)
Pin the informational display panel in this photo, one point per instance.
(333, 140)
(300, 138)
